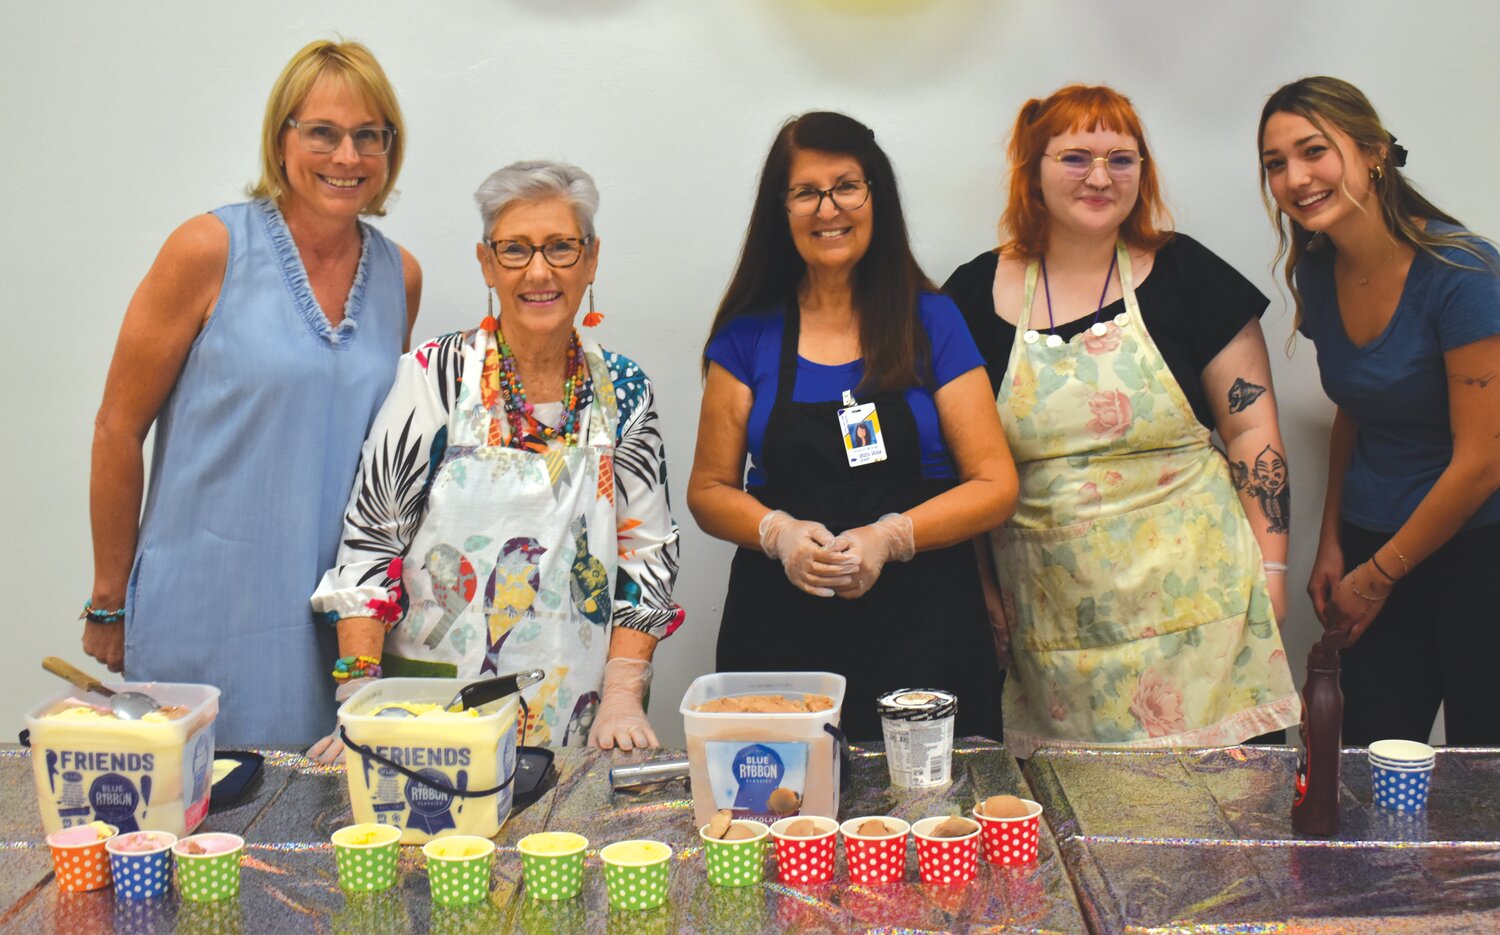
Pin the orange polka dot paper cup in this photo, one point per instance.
(805, 861)
(875, 859)
(79, 857)
(945, 861)
(1011, 841)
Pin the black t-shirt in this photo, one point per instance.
(1193, 302)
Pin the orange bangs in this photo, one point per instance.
(1023, 226)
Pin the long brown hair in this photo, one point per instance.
(1025, 223)
(1331, 102)
(887, 280)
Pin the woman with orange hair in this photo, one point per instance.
(1142, 577)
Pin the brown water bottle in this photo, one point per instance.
(1315, 805)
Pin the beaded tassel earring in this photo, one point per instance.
(490, 324)
(592, 318)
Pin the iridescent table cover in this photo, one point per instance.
(1201, 841)
(289, 880)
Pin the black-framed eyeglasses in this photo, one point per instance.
(848, 195)
(1078, 162)
(559, 254)
(327, 137)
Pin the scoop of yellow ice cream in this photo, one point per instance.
(635, 852)
(551, 843)
(81, 712)
(424, 709)
(454, 849)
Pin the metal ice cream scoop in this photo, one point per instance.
(127, 706)
(480, 693)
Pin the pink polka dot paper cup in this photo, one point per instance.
(1011, 841)
(79, 857)
(945, 861)
(805, 861)
(875, 859)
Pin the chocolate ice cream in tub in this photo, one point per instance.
(779, 760)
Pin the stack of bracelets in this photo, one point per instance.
(101, 616)
(356, 667)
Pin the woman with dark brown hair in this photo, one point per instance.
(829, 323)
(1403, 304)
(1143, 575)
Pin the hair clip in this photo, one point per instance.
(1398, 153)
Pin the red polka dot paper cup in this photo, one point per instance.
(1011, 841)
(875, 859)
(805, 861)
(945, 861)
(81, 866)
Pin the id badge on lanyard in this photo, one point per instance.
(860, 427)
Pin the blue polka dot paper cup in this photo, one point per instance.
(1404, 790)
(141, 863)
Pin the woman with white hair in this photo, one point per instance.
(510, 510)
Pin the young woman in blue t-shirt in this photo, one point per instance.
(853, 558)
(1403, 305)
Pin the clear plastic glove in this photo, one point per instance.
(621, 720)
(331, 748)
(888, 539)
(802, 547)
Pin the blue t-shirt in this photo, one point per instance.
(749, 347)
(1396, 387)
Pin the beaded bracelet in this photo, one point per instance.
(355, 667)
(101, 616)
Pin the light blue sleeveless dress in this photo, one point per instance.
(256, 449)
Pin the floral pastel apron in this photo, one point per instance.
(1141, 615)
(514, 563)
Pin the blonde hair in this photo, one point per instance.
(1333, 103)
(356, 67)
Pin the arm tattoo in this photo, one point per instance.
(1243, 393)
(1267, 483)
(1480, 382)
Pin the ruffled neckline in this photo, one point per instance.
(294, 275)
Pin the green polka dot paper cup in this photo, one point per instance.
(366, 855)
(208, 866)
(552, 864)
(736, 863)
(635, 873)
(458, 869)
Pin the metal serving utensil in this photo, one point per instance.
(127, 706)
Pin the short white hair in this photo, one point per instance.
(538, 180)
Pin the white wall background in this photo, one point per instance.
(123, 119)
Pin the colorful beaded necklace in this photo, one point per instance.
(519, 412)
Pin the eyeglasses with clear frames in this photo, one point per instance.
(327, 137)
(559, 254)
(1077, 162)
(804, 201)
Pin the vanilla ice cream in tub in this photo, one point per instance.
(764, 766)
(153, 774)
(435, 773)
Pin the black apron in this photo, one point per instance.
(923, 624)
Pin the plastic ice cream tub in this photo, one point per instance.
(135, 775)
(430, 776)
(763, 767)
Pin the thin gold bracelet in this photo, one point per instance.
(1365, 597)
(1404, 563)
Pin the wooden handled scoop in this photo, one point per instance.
(127, 706)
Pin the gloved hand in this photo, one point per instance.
(801, 546)
(331, 748)
(621, 720)
(888, 539)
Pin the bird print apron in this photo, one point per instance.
(543, 524)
